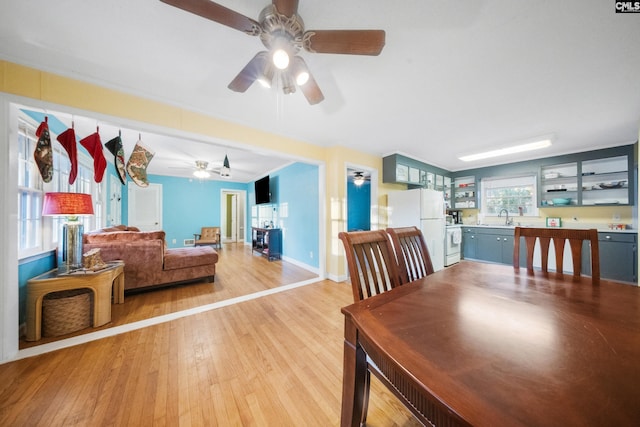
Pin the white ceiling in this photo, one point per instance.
(455, 77)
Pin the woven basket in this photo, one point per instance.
(66, 311)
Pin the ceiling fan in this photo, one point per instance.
(359, 178)
(282, 32)
(202, 170)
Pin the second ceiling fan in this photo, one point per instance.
(282, 32)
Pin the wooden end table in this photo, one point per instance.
(99, 282)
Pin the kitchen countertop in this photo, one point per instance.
(600, 229)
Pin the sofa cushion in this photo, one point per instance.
(123, 236)
(175, 258)
(116, 228)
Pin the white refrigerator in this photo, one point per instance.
(425, 209)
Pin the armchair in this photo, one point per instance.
(208, 236)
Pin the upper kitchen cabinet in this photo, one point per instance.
(399, 169)
(605, 181)
(587, 182)
(464, 193)
(559, 185)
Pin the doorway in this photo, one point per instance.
(232, 216)
(361, 197)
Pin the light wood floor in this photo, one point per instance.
(271, 361)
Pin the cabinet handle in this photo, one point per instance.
(505, 239)
(498, 239)
(607, 237)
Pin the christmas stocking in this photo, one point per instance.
(68, 140)
(138, 162)
(94, 146)
(115, 147)
(43, 154)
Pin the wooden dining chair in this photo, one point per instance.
(411, 252)
(371, 263)
(559, 237)
(373, 270)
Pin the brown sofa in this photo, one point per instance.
(148, 261)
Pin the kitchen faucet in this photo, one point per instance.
(506, 219)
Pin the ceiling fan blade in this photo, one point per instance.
(351, 42)
(286, 7)
(249, 73)
(220, 14)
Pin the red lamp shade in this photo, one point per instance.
(70, 204)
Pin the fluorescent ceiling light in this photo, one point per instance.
(509, 150)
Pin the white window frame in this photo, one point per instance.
(42, 232)
(490, 183)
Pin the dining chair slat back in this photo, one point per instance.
(559, 237)
(412, 254)
(371, 263)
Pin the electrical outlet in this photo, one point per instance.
(311, 254)
(173, 241)
(616, 217)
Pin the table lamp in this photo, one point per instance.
(71, 205)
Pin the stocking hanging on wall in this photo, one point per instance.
(43, 153)
(115, 147)
(138, 162)
(68, 140)
(94, 146)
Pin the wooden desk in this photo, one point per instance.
(477, 344)
(100, 282)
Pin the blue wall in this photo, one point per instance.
(187, 205)
(27, 269)
(358, 206)
(295, 195)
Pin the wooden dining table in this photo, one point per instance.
(486, 345)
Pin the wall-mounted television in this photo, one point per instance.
(263, 194)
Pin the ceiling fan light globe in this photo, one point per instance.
(201, 174)
(302, 78)
(280, 59)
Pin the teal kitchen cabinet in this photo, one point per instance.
(618, 256)
(469, 243)
(488, 244)
(495, 245)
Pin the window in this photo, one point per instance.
(511, 193)
(37, 233)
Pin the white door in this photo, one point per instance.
(115, 201)
(145, 207)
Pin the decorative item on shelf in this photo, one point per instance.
(554, 222)
(614, 184)
(561, 201)
(70, 205)
(92, 260)
(617, 226)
